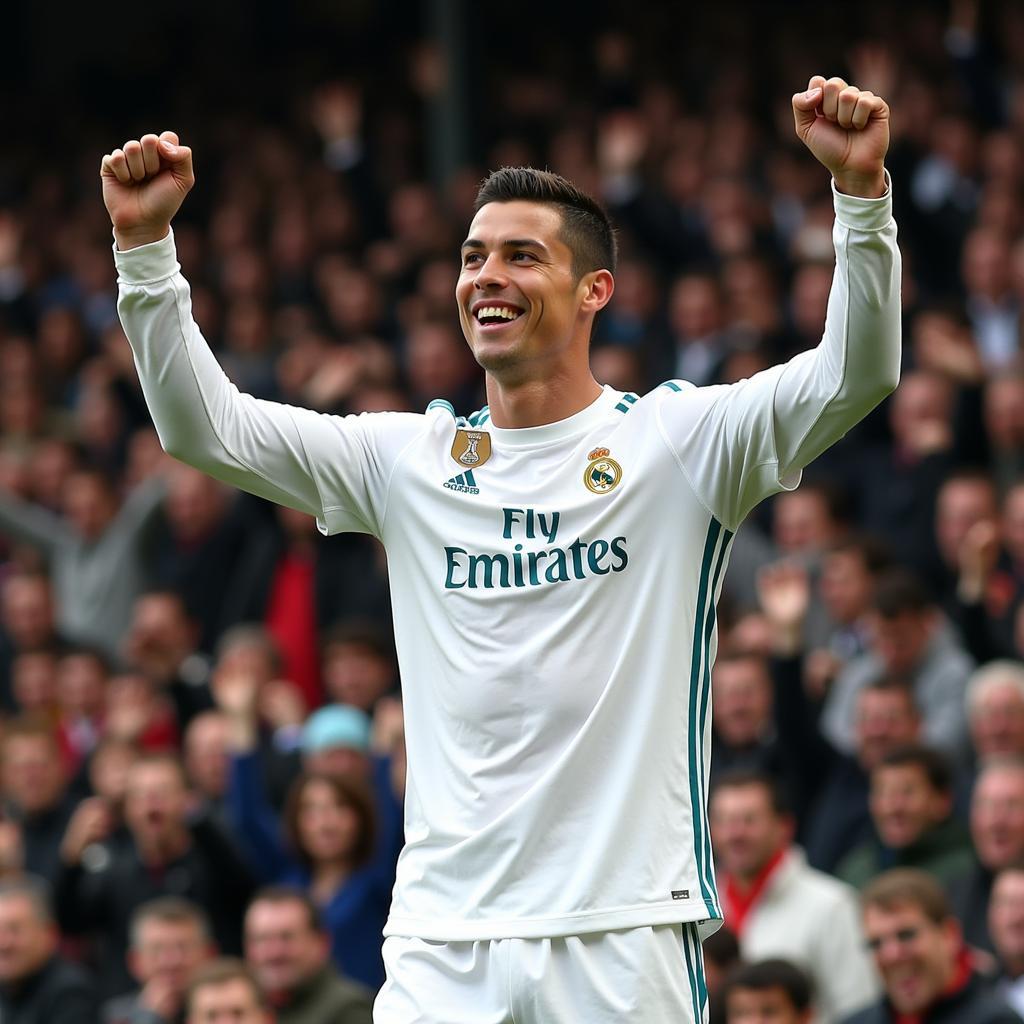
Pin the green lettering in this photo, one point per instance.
(576, 550)
(556, 570)
(453, 563)
(487, 563)
(597, 550)
(619, 550)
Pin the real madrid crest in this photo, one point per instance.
(603, 473)
(471, 447)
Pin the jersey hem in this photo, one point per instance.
(619, 919)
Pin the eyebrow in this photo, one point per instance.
(509, 243)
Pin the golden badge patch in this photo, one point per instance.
(603, 474)
(471, 447)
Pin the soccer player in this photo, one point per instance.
(555, 559)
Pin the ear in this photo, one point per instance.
(598, 287)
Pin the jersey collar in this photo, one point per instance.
(548, 433)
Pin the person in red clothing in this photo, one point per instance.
(920, 954)
(776, 904)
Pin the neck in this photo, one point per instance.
(160, 850)
(331, 874)
(533, 402)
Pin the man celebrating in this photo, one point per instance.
(554, 558)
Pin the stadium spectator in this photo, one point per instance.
(35, 792)
(911, 806)
(721, 956)
(898, 482)
(920, 954)
(26, 625)
(226, 990)
(776, 904)
(161, 643)
(207, 760)
(995, 710)
(97, 550)
(997, 831)
(327, 849)
(169, 940)
(886, 718)
(909, 638)
(358, 665)
(83, 674)
(289, 951)
(769, 990)
(37, 985)
(1006, 926)
(101, 883)
(204, 550)
(1003, 411)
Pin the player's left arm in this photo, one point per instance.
(821, 394)
(740, 443)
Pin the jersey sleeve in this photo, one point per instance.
(335, 468)
(739, 443)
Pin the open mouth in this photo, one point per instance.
(496, 316)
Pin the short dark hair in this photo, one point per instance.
(933, 763)
(363, 633)
(349, 792)
(34, 889)
(874, 553)
(586, 227)
(900, 591)
(741, 778)
(903, 887)
(767, 974)
(169, 910)
(291, 894)
(221, 971)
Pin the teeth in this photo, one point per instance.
(504, 312)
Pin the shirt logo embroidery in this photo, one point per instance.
(471, 447)
(463, 483)
(603, 473)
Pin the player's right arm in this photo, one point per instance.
(335, 469)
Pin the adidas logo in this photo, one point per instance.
(464, 483)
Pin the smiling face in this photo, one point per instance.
(904, 804)
(915, 956)
(523, 311)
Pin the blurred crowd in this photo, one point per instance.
(201, 750)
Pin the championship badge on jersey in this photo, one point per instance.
(471, 447)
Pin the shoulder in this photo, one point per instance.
(871, 1015)
(823, 889)
(65, 980)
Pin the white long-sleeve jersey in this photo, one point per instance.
(554, 592)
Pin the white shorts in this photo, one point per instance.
(642, 975)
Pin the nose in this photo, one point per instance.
(489, 274)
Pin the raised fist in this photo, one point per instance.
(144, 184)
(847, 130)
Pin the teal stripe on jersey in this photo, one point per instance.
(671, 385)
(709, 628)
(630, 397)
(441, 403)
(694, 735)
(698, 1005)
(470, 482)
(485, 415)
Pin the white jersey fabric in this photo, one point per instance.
(554, 603)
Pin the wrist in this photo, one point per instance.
(862, 186)
(133, 238)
